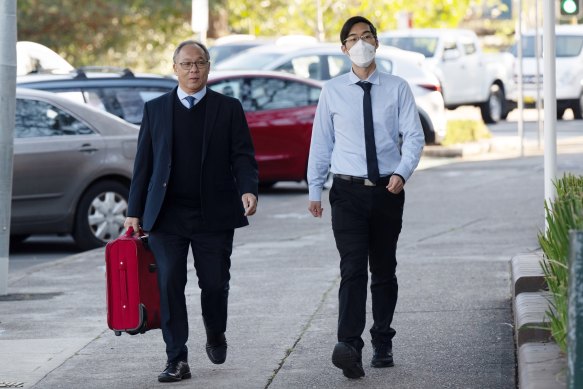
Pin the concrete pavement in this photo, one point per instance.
(463, 223)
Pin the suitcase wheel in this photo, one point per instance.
(117, 333)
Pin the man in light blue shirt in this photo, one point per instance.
(361, 119)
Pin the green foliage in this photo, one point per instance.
(277, 17)
(564, 214)
(139, 34)
(463, 131)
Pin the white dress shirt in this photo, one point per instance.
(182, 95)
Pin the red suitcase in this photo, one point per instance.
(133, 297)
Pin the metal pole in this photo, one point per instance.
(520, 80)
(575, 331)
(550, 99)
(537, 53)
(7, 109)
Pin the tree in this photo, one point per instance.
(141, 34)
(276, 17)
(126, 33)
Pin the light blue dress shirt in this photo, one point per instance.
(338, 132)
(182, 96)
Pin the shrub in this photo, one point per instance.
(463, 131)
(564, 214)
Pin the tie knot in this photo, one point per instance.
(364, 85)
(190, 100)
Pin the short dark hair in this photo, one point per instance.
(190, 43)
(351, 22)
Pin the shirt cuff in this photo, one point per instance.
(315, 193)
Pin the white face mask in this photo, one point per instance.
(362, 53)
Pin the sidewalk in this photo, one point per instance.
(462, 225)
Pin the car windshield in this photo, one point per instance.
(565, 46)
(221, 52)
(248, 61)
(420, 44)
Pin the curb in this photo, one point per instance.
(455, 151)
(541, 365)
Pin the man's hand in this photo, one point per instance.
(395, 184)
(249, 203)
(315, 208)
(133, 222)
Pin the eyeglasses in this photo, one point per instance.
(200, 65)
(367, 37)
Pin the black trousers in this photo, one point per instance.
(366, 221)
(177, 229)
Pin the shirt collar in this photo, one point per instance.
(373, 78)
(198, 95)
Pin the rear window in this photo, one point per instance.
(419, 44)
(124, 102)
(247, 61)
(565, 46)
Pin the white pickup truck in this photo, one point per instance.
(468, 76)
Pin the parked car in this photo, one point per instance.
(280, 110)
(32, 57)
(324, 61)
(117, 91)
(568, 68)
(228, 46)
(72, 169)
(468, 76)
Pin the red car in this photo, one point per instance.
(280, 110)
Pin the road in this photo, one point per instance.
(39, 249)
(462, 224)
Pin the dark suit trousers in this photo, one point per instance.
(366, 222)
(176, 230)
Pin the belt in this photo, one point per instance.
(363, 181)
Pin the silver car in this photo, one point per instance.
(72, 169)
(324, 61)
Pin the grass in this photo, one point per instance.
(463, 131)
(564, 214)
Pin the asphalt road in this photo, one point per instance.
(463, 222)
(39, 249)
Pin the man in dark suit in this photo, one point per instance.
(195, 180)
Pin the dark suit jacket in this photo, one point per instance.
(229, 168)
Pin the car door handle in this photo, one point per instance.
(87, 148)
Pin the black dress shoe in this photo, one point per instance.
(216, 347)
(175, 371)
(382, 355)
(347, 358)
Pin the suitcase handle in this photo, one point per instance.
(130, 232)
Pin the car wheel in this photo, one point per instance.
(266, 184)
(577, 108)
(17, 239)
(100, 214)
(427, 131)
(492, 110)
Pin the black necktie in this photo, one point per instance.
(190, 100)
(372, 165)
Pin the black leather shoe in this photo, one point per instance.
(175, 371)
(382, 355)
(216, 348)
(347, 358)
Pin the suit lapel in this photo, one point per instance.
(212, 110)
